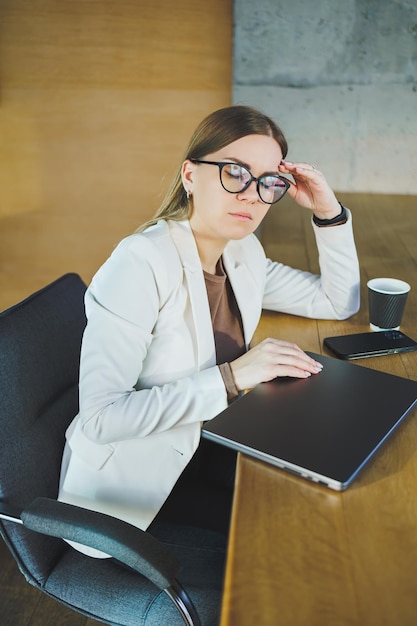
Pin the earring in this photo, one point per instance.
(189, 193)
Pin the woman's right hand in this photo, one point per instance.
(269, 359)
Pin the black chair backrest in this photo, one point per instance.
(40, 340)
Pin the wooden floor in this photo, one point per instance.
(287, 236)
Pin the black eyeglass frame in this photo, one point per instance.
(221, 164)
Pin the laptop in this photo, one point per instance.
(324, 428)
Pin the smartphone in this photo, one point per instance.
(362, 345)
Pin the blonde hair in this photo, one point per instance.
(217, 130)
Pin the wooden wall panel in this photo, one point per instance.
(97, 101)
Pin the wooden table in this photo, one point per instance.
(303, 555)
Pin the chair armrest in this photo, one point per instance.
(121, 540)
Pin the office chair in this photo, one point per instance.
(171, 577)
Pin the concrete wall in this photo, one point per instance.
(340, 77)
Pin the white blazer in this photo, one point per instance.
(148, 374)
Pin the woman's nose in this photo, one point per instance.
(250, 194)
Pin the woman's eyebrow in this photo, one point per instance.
(240, 162)
(237, 161)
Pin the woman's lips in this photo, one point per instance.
(241, 215)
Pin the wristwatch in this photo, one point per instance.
(335, 221)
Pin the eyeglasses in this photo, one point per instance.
(236, 178)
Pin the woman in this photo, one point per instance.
(171, 315)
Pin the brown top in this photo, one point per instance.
(227, 324)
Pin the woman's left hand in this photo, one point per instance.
(310, 189)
